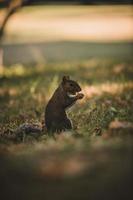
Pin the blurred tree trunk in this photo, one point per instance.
(12, 7)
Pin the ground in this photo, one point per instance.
(94, 160)
(87, 159)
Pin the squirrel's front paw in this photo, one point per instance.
(80, 96)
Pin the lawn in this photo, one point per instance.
(85, 162)
(94, 160)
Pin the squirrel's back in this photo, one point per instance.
(65, 96)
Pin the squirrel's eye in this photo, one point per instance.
(71, 84)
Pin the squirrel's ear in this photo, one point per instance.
(65, 78)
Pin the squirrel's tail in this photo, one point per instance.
(34, 130)
(29, 128)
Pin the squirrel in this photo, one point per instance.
(65, 96)
(56, 120)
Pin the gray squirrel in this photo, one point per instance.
(65, 96)
(56, 120)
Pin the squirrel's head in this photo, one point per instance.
(70, 87)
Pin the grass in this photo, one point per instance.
(106, 83)
(89, 156)
(103, 79)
